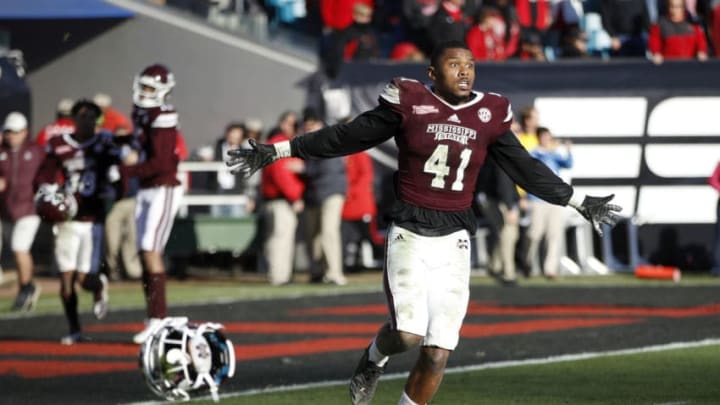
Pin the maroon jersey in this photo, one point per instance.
(86, 169)
(157, 131)
(442, 146)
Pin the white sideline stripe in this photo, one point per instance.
(216, 35)
(487, 366)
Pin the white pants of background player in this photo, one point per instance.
(155, 210)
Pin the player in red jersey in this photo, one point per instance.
(158, 200)
(88, 163)
(443, 132)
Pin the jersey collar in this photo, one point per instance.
(478, 96)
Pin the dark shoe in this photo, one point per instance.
(508, 282)
(27, 298)
(71, 339)
(365, 380)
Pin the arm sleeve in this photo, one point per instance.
(655, 40)
(49, 170)
(529, 173)
(369, 129)
(163, 156)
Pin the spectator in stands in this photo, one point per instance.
(416, 20)
(406, 51)
(253, 129)
(569, 38)
(449, 23)
(502, 211)
(281, 187)
(487, 36)
(63, 123)
(535, 18)
(714, 26)
(324, 196)
(714, 181)
(531, 46)
(574, 44)
(224, 182)
(547, 221)
(627, 22)
(121, 253)
(359, 212)
(112, 120)
(357, 42)
(512, 23)
(526, 131)
(675, 37)
(336, 15)
(529, 123)
(20, 160)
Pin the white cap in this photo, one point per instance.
(64, 106)
(102, 100)
(253, 124)
(15, 122)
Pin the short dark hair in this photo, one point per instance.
(542, 131)
(234, 125)
(311, 114)
(440, 49)
(85, 104)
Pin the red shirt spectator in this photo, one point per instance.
(360, 199)
(534, 14)
(63, 123)
(487, 37)
(674, 37)
(112, 119)
(338, 14)
(280, 180)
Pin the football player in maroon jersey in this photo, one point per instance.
(443, 132)
(158, 199)
(87, 162)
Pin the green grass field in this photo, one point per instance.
(677, 376)
(128, 295)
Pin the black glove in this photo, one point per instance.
(598, 211)
(248, 161)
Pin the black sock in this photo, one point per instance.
(91, 282)
(70, 304)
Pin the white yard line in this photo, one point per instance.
(463, 369)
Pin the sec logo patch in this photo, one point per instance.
(484, 114)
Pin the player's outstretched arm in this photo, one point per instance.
(248, 161)
(597, 210)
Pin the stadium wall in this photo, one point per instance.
(218, 78)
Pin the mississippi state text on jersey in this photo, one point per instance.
(442, 146)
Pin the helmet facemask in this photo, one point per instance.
(180, 358)
(152, 86)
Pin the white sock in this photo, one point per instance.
(405, 400)
(376, 356)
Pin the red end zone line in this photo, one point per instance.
(483, 309)
(53, 368)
